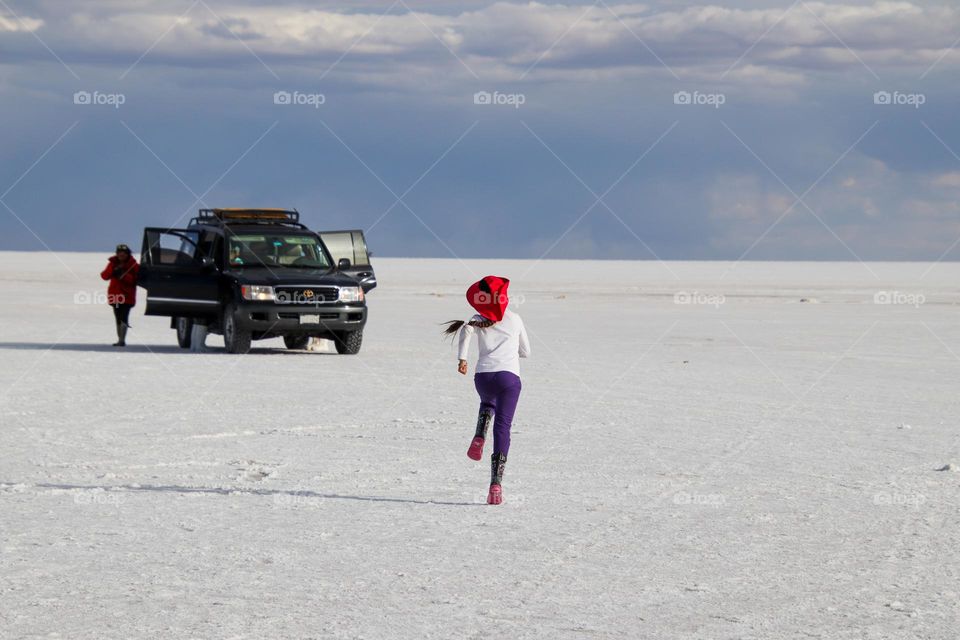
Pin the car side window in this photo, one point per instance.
(346, 244)
(174, 248)
(206, 246)
(218, 250)
(340, 245)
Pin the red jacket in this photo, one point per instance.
(123, 285)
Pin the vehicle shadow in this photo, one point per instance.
(252, 491)
(83, 346)
(144, 348)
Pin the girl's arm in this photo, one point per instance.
(524, 342)
(463, 350)
(466, 332)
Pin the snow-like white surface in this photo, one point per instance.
(760, 468)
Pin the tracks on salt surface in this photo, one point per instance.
(227, 491)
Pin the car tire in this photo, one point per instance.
(297, 343)
(348, 342)
(235, 338)
(184, 331)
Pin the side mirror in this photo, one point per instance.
(208, 263)
(343, 263)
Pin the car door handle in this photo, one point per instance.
(364, 274)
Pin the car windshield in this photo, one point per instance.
(276, 250)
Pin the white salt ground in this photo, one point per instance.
(694, 456)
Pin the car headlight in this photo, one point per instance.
(351, 294)
(257, 292)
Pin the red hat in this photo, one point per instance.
(489, 297)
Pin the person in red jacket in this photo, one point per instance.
(122, 271)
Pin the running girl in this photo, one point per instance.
(503, 341)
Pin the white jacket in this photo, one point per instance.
(501, 345)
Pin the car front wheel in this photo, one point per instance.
(348, 342)
(235, 338)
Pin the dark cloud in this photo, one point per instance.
(399, 100)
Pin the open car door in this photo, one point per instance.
(179, 279)
(352, 246)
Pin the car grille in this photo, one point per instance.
(307, 295)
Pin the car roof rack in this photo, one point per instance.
(273, 217)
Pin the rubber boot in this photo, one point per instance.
(121, 335)
(497, 462)
(475, 452)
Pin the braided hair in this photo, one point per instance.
(455, 325)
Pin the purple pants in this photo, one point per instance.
(499, 392)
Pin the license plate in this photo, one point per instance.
(309, 319)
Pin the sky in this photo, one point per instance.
(663, 130)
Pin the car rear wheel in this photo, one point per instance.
(296, 342)
(348, 342)
(235, 338)
(184, 329)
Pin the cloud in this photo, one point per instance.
(595, 94)
(879, 212)
(950, 180)
(13, 23)
(557, 39)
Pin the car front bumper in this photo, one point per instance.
(288, 319)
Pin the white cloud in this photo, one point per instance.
(695, 42)
(950, 180)
(12, 23)
(742, 198)
(876, 210)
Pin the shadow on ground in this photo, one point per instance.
(257, 492)
(142, 348)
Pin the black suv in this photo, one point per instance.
(252, 274)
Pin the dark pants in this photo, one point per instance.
(122, 313)
(499, 392)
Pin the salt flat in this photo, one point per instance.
(697, 454)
